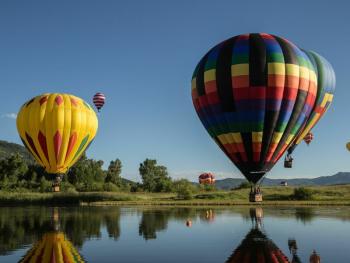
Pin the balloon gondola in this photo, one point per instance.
(56, 129)
(254, 94)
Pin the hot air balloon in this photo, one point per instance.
(308, 138)
(253, 93)
(99, 100)
(206, 178)
(325, 89)
(56, 129)
(348, 146)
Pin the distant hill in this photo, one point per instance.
(8, 148)
(339, 178)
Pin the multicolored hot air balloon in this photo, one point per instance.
(253, 93)
(206, 178)
(56, 129)
(325, 90)
(308, 138)
(53, 247)
(99, 100)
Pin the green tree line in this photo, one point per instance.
(87, 175)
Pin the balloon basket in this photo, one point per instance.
(255, 198)
(288, 164)
(56, 188)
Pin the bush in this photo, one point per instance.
(207, 187)
(243, 185)
(184, 189)
(67, 187)
(136, 188)
(110, 187)
(302, 193)
(45, 186)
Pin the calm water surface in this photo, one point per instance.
(158, 234)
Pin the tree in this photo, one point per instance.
(113, 172)
(184, 189)
(154, 177)
(87, 174)
(12, 169)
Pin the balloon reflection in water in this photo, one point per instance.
(207, 216)
(256, 246)
(293, 248)
(315, 258)
(53, 247)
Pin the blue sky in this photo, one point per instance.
(141, 54)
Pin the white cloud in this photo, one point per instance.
(9, 115)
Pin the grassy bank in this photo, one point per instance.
(323, 195)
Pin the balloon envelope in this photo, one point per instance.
(348, 146)
(206, 178)
(325, 90)
(308, 138)
(56, 129)
(99, 100)
(252, 93)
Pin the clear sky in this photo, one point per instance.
(141, 54)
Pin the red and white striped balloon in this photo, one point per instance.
(99, 100)
(308, 138)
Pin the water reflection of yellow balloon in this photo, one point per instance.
(53, 247)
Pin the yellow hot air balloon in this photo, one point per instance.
(56, 128)
(348, 146)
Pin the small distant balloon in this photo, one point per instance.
(308, 138)
(348, 146)
(206, 178)
(99, 100)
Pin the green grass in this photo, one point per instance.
(322, 195)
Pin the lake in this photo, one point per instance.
(174, 234)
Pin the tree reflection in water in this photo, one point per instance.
(21, 227)
(153, 221)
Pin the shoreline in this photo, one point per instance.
(338, 195)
